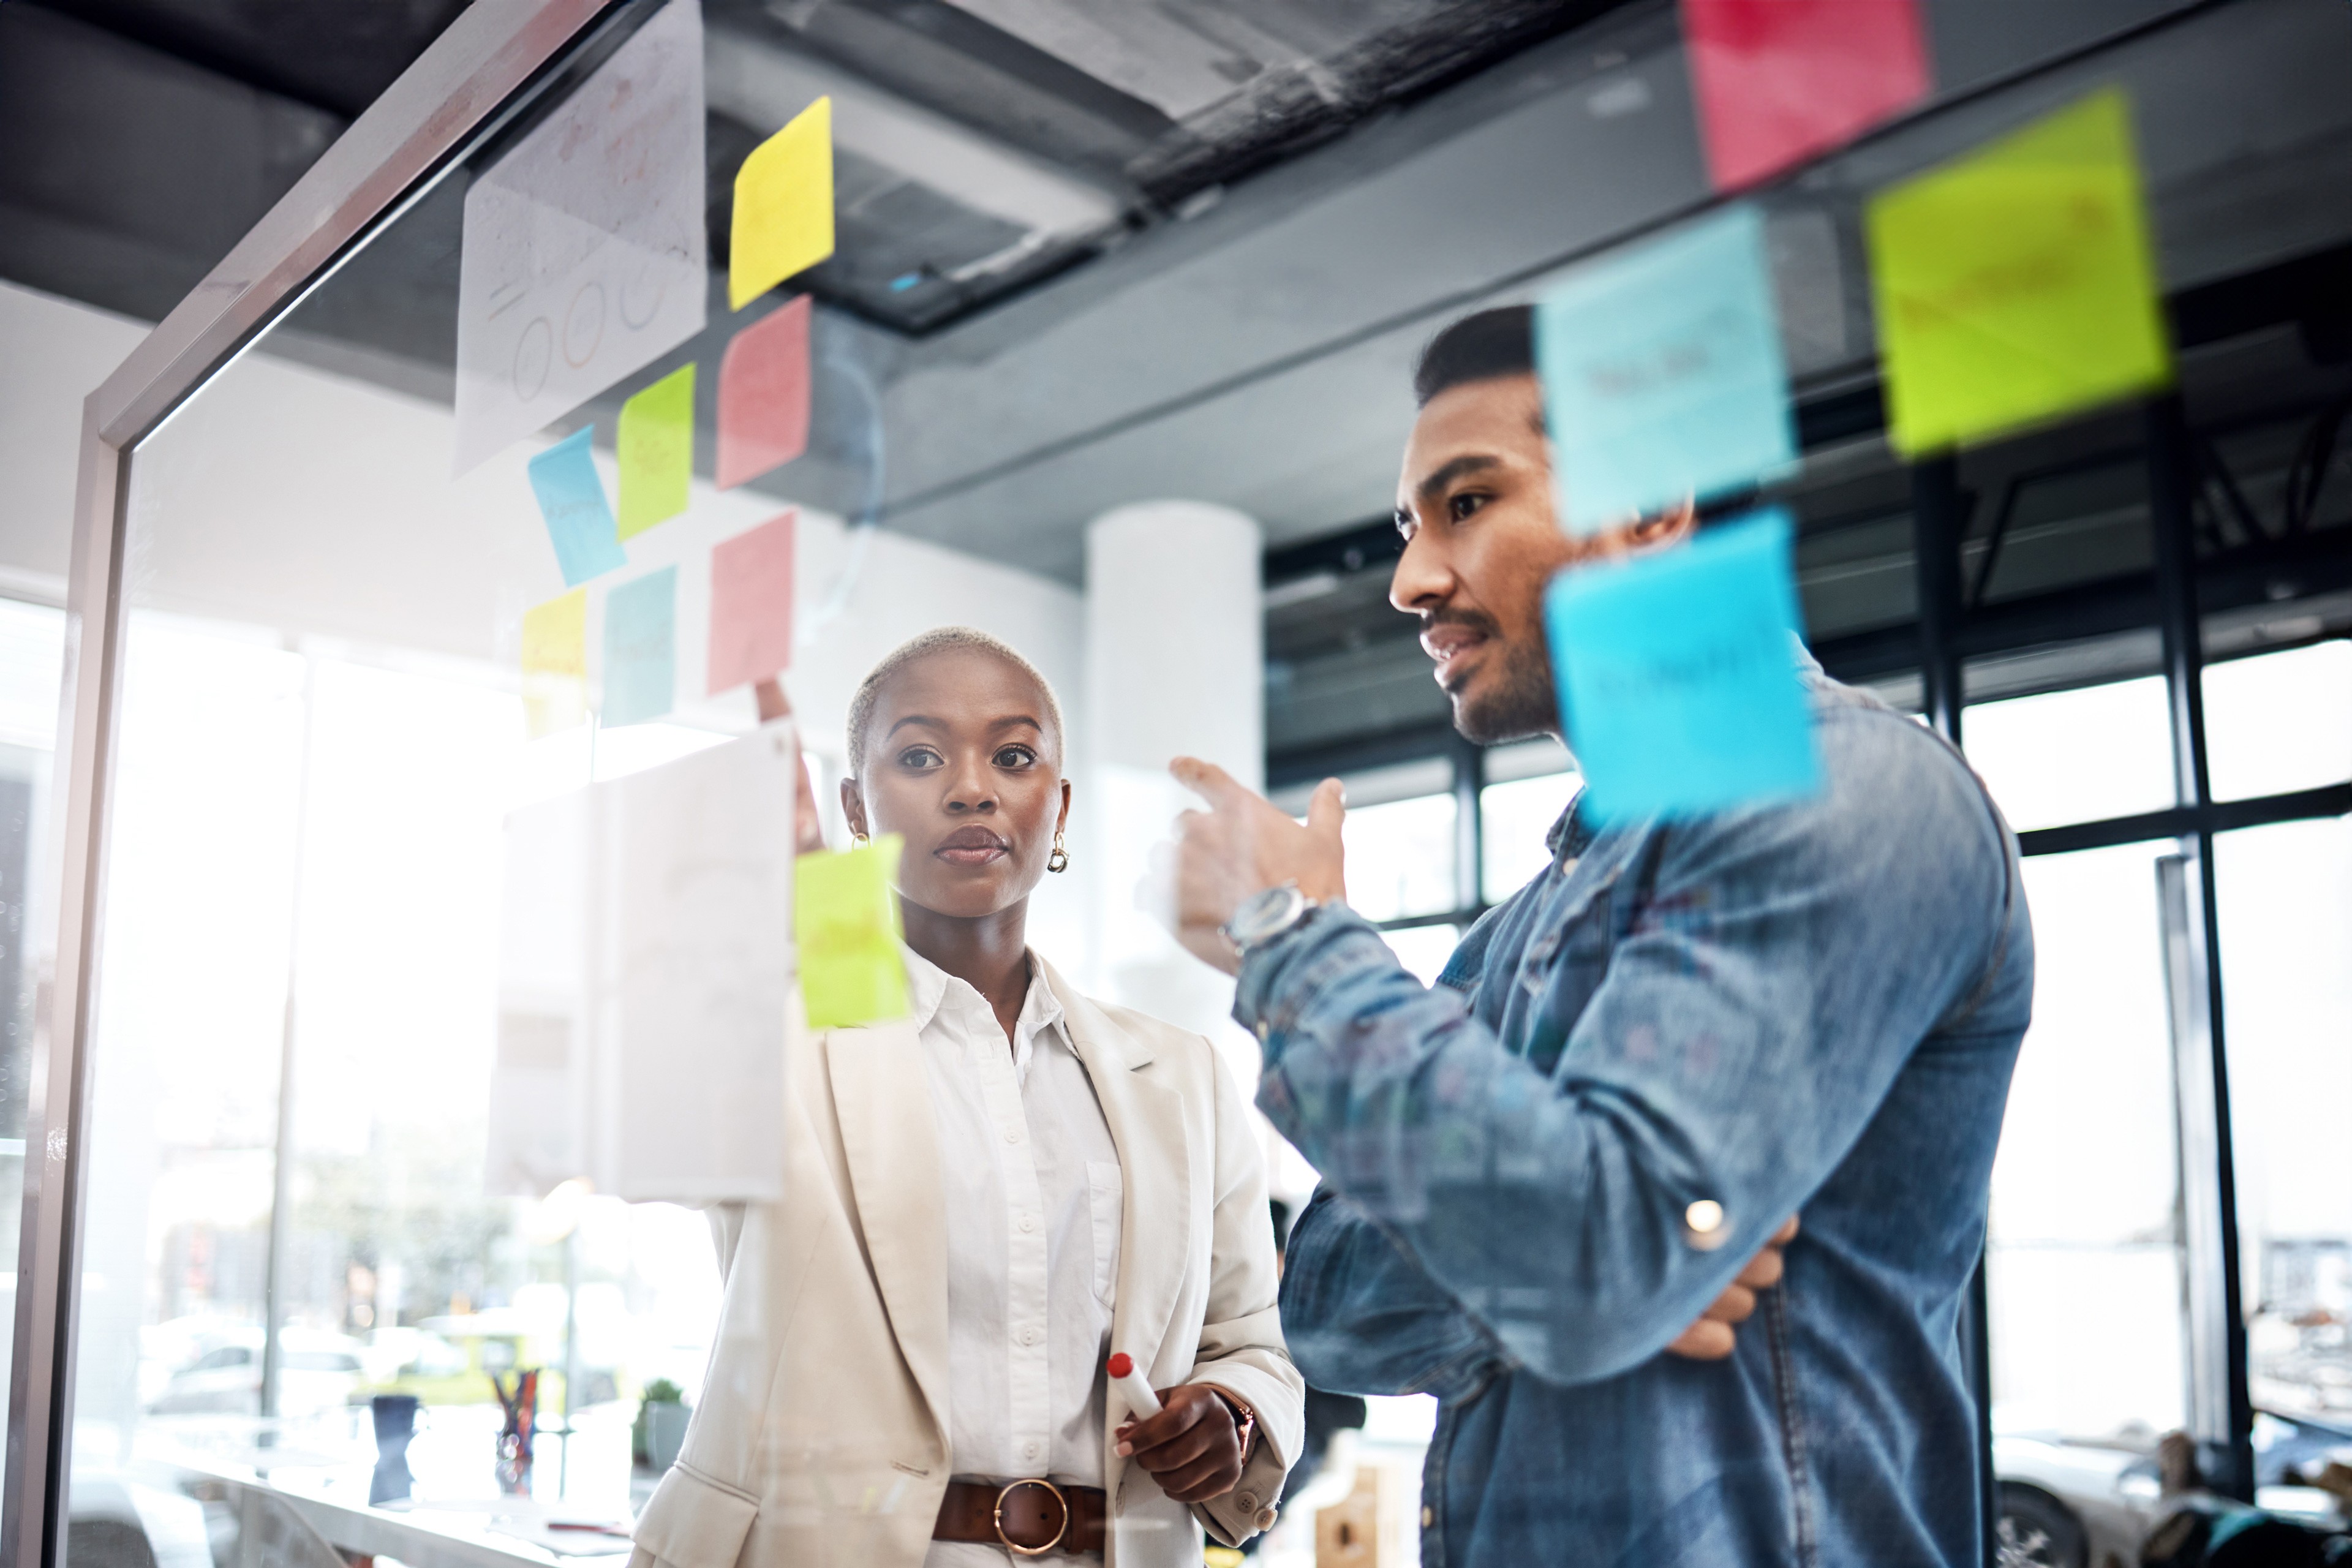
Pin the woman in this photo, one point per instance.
(984, 1200)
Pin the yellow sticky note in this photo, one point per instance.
(556, 663)
(2017, 283)
(655, 446)
(784, 206)
(845, 918)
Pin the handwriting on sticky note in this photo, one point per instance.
(764, 395)
(1662, 375)
(572, 502)
(2017, 283)
(641, 649)
(655, 446)
(555, 664)
(784, 206)
(1781, 81)
(845, 921)
(1677, 677)
(751, 605)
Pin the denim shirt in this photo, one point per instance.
(1808, 1008)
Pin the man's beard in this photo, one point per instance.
(1519, 704)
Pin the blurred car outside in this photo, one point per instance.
(318, 1370)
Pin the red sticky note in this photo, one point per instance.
(764, 395)
(751, 605)
(1781, 81)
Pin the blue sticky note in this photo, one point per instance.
(572, 499)
(641, 649)
(1678, 675)
(1662, 375)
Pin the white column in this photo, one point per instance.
(1175, 666)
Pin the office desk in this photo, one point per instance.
(456, 1518)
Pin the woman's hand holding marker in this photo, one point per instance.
(1191, 1444)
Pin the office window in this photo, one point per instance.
(2280, 722)
(2075, 756)
(1528, 784)
(2286, 905)
(1400, 836)
(2085, 1262)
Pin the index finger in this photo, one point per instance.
(1786, 1233)
(1207, 780)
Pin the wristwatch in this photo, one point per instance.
(1264, 916)
(1245, 1418)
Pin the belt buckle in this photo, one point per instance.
(998, 1519)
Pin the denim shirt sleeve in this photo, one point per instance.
(1363, 1317)
(1782, 966)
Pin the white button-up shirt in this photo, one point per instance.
(1032, 1205)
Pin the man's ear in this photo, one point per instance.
(1672, 526)
(853, 807)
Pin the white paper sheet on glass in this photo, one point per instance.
(584, 251)
(645, 967)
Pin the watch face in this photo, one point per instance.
(1262, 914)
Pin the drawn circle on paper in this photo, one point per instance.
(584, 324)
(534, 351)
(641, 296)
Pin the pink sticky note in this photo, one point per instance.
(764, 395)
(1781, 81)
(751, 605)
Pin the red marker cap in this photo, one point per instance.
(1120, 1364)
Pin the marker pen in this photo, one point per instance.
(1131, 1386)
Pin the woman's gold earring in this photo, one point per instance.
(1059, 860)
(859, 841)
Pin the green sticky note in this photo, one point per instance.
(656, 450)
(2017, 283)
(846, 918)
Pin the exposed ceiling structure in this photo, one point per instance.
(1097, 251)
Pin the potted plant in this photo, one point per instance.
(659, 1430)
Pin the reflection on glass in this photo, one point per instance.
(1400, 857)
(1512, 821)
(2285, 904)
(2084, 1257)
(2280, 722)
(2075, 756)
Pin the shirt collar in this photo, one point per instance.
(926, 992)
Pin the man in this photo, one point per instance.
(1678, 1033)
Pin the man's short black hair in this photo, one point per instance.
(1484, 347)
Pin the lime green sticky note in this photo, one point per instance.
(655, 447)
(555, 664)
(846, 918)
(784, 206)
(2017, 283)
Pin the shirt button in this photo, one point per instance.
(1029, 1337)
(1263, 1031)
(1428, 1516)
(1704, 1221)
(1028, 1450)
(1265, 1518)
(1247, 1501)
(1028, 1222)
(1011, 1135)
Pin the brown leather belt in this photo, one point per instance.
(1027, 1518)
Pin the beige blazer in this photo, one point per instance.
(821, 1436)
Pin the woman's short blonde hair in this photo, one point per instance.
(942, 639)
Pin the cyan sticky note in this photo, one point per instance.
(1678, 675)
(572, 499)
(1662, 375)
(641, 649)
